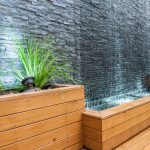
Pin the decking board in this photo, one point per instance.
(105, 130)
(138, 142)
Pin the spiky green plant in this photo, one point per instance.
(41, 59)
(1, 86)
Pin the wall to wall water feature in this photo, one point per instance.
(115, 46)
(108, 41)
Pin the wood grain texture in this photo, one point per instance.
(125, 116)
(25, 102)
(92, 134)
(34, 129)
(64, 143)
(92, 122)
(39, 140)
(77, 146)
(109, 128)
(28, 117)
(92, 144)
(44, 119)
(46, 138)
(110, 133)
(138, 142)
(126, 135)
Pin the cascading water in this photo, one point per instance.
(116, 100)
(108, 102)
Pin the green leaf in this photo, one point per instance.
(42, 59)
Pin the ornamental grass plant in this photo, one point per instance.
(41, 59)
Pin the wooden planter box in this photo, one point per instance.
(105, 130)
(44, 120)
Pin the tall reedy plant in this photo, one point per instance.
(1, 86)
(42, 59)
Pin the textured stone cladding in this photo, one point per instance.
(108, 41)
(58, 17)
(115, 45)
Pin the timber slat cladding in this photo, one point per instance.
(108, 134)
(92, 134)
(64, 143)
(20, 104)
(107, 129)
(124, 136)
(39, 140)
(77, 146)
(92, 123)
(41, 119)
(125, 116)
(27, 131)
(46, 138)
(91, 144)
(28, 117)
(90, 140)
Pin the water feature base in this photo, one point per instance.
(105, 130)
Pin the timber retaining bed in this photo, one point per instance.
(43, 120)
(105, 130)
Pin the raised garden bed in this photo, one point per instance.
(105, 130)
(43, 120)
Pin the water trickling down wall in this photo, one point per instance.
(115, 45)
(109, 41)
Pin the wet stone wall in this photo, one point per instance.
(115, 46)
(108, 41)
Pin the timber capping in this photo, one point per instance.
(105, 130)
(47, 119)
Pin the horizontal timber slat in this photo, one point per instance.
(91, 144)
(110, 133)
(20, 104)
(46, 138)
(76, 146)
(42, 119)
(125, 116)
(28, 117)
(138, 142)
(92, 122)
(64, 143)
(97, 135)
(94, 144)
(116, 118)
(27, 131)
(92, 134)
(124, 136)
(111, 127)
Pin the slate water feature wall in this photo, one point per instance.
(115, 45)
(108, 41)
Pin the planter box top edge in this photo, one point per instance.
(107, 113)
(62, 88)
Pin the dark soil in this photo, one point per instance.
(48, 86)
(8, 92)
